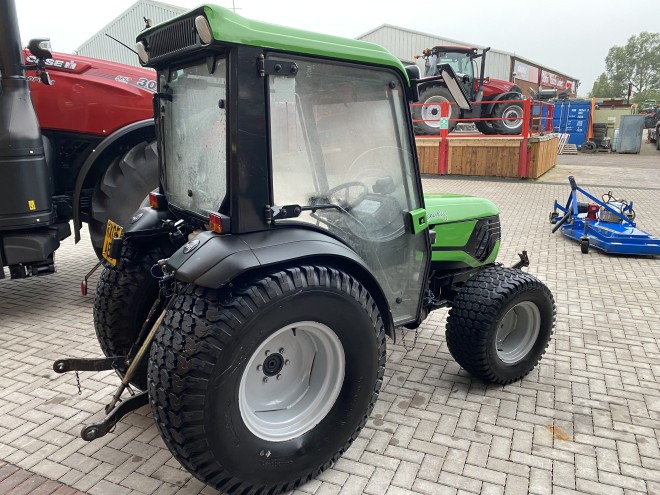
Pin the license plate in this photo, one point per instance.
(112, 230)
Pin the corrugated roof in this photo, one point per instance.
(464, 43)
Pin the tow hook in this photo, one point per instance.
(524, 261)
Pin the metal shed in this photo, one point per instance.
(406, 43)
(125, 28)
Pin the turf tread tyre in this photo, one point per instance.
(476, 313)
(201, 325)
(124, 296)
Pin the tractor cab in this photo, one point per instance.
(284, 143)
(463, 61)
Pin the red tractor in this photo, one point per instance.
(87, 155)
(498, 93)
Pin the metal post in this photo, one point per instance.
(443, 156)
(523, 165)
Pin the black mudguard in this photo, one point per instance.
(135, 132)
(511, 95)
(213, 261)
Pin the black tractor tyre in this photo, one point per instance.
(122, 188)
(428, 109)
(124, 295)
(485, 127)
(509, 110)
(479, 333)
(208, 370)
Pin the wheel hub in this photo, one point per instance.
(273, 364)
(517, 332)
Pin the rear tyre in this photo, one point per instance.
(512, 110)
(124, 295)
(500, 324)
(261, 388)
(126, 182)
(427, 110)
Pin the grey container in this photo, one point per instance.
(630, 134)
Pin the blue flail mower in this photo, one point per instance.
(605, 224)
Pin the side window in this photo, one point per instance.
(341, 148)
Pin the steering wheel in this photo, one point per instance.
(349, 202)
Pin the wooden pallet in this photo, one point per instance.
(569, 149)
(563, 139)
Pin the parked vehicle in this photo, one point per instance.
(87, 154)
(433, 91)
(654, 135)
(289, 236)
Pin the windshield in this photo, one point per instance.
(341, 149)
(194, 127)
(460, 62)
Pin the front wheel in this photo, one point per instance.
(500, 324)
(261, 388)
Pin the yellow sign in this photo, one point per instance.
(31, 205)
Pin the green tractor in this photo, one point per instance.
(251, 301)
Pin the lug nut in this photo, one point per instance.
(267, 353)
(265, 380)
(281, 350)
(258, 367)
(286, 363)
(279, 376)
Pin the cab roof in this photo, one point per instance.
(229, 27)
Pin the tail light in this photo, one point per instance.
(215, 223)
(157, 201)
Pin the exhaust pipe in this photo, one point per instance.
(26, 188)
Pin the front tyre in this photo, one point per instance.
(260, 389)
(500, 324)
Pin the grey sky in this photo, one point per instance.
(570, 36)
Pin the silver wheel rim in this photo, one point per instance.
(431, 111)
(517, 332)
(291, 381)
(511, 113)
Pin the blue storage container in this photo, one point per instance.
(572, 117)
(577, 138)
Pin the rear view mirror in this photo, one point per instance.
(40, 48)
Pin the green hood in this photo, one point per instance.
(448, 208)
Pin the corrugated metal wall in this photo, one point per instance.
(406, 43)
(125, 28)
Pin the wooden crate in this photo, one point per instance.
(488, 156)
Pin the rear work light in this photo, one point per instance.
(215, 223)
(157, 201)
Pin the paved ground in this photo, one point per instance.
(587, 420)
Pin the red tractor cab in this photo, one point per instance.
(477, 88)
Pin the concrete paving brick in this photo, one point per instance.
(598, 381)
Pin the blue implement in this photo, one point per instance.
(606, 225)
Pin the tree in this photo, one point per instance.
(637, 63)
(604, 88)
